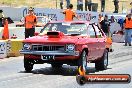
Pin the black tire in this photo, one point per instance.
(56, 65)
(103, 63)
(110, 49)
(28, 65)
(81, 80)
(83, 60)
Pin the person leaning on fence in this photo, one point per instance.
(128, 29)
(69, 13)
(30, 22)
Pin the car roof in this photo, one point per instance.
(70, 22)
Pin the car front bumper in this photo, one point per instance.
(76, 53)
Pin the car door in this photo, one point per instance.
(92, 43)
(100, 40)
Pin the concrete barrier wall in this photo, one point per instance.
(55, 14)
(3, 48)
(18, 31)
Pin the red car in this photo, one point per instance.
(73, 43)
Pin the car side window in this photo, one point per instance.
(91, 31)
(98, 32)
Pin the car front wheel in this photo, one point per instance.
(83, 60)
(28, 65)
(103, 63)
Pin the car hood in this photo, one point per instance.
(59, 40)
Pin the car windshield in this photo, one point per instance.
(66, 28)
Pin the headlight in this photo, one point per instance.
(27, 46)
(70, 48)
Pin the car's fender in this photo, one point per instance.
(84, 47)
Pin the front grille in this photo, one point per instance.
(48, 48)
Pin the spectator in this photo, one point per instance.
(112, 19)
(102, 5)
(80, 5)
(61, 4)
(88, 4)
(1, 18)
(86, 1)
(105, 26)
(77, 4)
(114, 26)
(100, 18)
(131, 8)
(121, 21)
(116, 5)
(128, 29)
(67, 3)
(30, 22)
(69, 13)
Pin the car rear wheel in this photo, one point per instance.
(56, 65)
(28, 65)
(83, 60)
(103, 63)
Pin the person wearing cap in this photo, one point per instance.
(69, 13)
(128, 29)
(30, 22)
(1, 17)
(105, 26)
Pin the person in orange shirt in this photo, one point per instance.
(69, 13)
(30, 22)
(128, 29)
(5, 34)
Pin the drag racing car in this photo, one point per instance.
(74, 43)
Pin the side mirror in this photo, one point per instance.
(36, 33)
